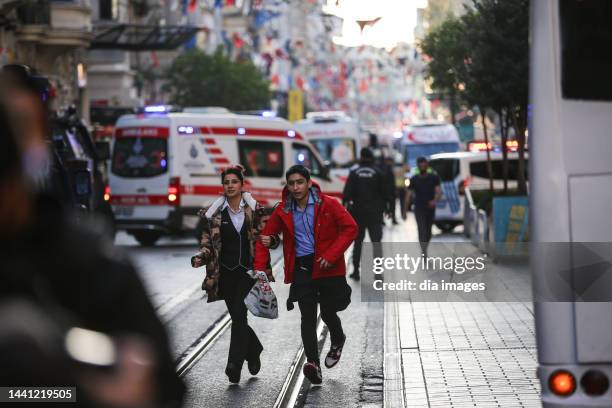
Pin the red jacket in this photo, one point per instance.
(334, 230)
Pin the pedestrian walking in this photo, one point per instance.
(424, 191)
(400, 169)
(316, 230)
(231, 227)
(390, 180)
(366, 193)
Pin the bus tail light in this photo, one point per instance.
(595, 383)
(562, 383)
(107, 193)
(174, 192)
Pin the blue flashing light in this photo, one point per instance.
(291, 133)
(186, 130)
(163, 163)
(155, 109)
(268, 114)
(398, 135)
(241, 131)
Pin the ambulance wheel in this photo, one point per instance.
(147, 238)
(446, 226)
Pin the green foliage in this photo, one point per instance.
(483, 58)
(198, 79)
(445, 46)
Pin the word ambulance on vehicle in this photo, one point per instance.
(335, 135)
(166, 165)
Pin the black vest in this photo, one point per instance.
(235, 252)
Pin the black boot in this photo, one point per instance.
(254, 365)
(233, 372)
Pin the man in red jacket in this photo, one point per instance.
(316, 231)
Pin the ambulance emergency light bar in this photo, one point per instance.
(158, 109)
(241, 131)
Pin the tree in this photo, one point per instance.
(500, 54)
(486, 51)
(445, 48)
(198, 79)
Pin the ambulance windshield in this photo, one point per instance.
(139, 157)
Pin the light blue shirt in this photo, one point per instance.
(303, 223)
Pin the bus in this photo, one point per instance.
(571, 191)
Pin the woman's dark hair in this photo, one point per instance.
(10, 158)
(236, 170)
(298, 169)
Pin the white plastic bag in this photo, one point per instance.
(261, 300)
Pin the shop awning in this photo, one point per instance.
(132, 37)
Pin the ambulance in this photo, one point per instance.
(335, 135)
(427, 138)
(166, 165)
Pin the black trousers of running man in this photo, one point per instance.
(332, 294)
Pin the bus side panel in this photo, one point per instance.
(548, 182)
(591, 222)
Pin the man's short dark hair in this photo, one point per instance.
(366, 154)
(421, 160)
(298, 169)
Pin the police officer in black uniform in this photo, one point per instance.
(366, 195)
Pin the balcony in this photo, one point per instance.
(55, 23)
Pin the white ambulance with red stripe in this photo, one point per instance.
(166, 165)
(336, 137)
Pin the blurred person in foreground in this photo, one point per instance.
(75, 277)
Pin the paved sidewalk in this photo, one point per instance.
(460, 354)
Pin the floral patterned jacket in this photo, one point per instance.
(255, 216)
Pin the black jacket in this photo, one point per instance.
(64, 267)
(366, 190)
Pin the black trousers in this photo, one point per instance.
(424, 218)
(244, 344)
(401, 195)
(308, 310)
(373, 223)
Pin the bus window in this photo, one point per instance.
(586, 38)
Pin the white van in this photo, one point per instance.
(425, 139)
(166, 166)
(335, 135)
(461, 169)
